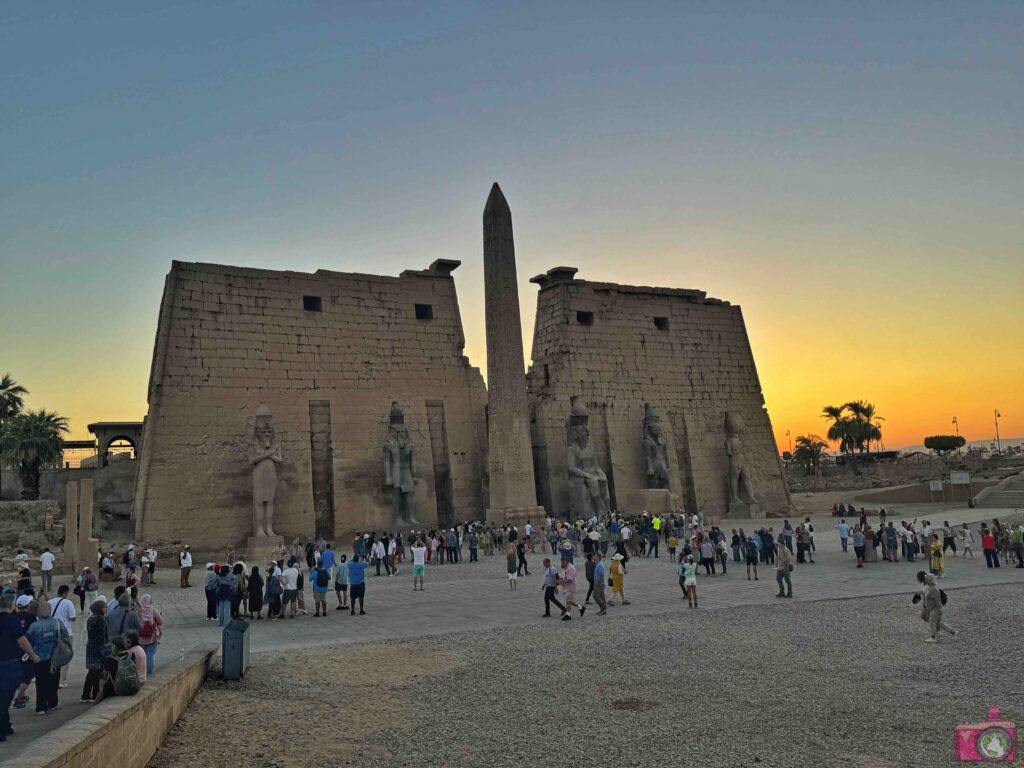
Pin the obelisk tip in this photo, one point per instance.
(496, 203)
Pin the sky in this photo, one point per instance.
(852, 175)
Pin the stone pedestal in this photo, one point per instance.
(259, 550)
(655, 500)
(516, 515)
(739, 510)
(89, 553)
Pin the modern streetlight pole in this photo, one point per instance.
(956, 424)
(999, 448)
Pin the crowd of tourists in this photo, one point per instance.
(37, 627)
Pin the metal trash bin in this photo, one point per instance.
(235, 654)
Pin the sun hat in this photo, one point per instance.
(617, 556)
(23, 601)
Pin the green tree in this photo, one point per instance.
(864, 424)
(810, 453)
(840, 428)
(32, 441)
(11, 403)
(944, 445)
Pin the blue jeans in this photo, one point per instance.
(10, 679)
(843, 540)
(150, 657)
(224, 612)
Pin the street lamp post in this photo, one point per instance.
(956, 424)
(789, 437)
(999, 448)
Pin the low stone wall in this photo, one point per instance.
(123, 732)
(919, 493)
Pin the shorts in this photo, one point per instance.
(418, 569)
(512, 576)
(290, 596)
(319, 597)
(340, 587)
(690, 582)
(358, 591)
(570, 595)
(751, 560)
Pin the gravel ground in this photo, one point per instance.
(842, 682)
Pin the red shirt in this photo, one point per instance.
(988, 541)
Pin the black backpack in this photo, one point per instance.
(322, 578)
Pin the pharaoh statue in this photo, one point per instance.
(400, 468)
(741, 487)
(655, 449)
(264, 458)
(588, 484)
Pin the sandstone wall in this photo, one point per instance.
(617, 347)
(231, 338)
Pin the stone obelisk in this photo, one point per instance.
(513, 494)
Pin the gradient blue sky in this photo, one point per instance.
(852, 174)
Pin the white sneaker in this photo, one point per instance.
(930, 640)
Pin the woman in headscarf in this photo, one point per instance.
(150, 630)
(95, 645)
(254, 591)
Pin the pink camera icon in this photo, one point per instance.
(994, 741)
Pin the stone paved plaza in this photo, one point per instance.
(473, 597)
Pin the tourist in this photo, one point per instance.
(46, 559)
(289, 579)
(274, 592)
(44, 634)
(988, 547)
(736, 546)
(512, 565)
(419, 561)
(870, 553)
(844, 532)
(121, 618)
(752, 555)
(801, 544)
(787, 535)
(966, 537)
(688, 579)
(341, 583)
(618, 579)
(62, 608)
(859, 545)
(320, 580)
(474, 544)
(241, 588)
(948, 538)
(931, 607)
(144, 566)
(137, 653)
(119, 646)
(567, 580)
(90, 587)
(393, 556)
(131, 584)
(1018, 544)
(891, 542)
(26, 612)
(935, 556)
(24, 585)
(723, 554)
(380, 556)
(96, 639)
(808, 526)
(673, 544)
(13, 645)
(150, 630)
(783, 569)
(599, 584)
(227, 585)
(707, 553)
(254, 594)
(210, 588)
(185, 561)
(357, 582)
(522, 569)
(550, 581)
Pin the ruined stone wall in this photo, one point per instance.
(617, 347)
(328, 367)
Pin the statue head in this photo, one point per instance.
(580, 434)
(397, 430)
(652, 422)
(263, 429)
(734, 424)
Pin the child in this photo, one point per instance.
(672, 543)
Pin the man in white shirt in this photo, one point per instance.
(290, 584)
(185, 560)
(392, 556)
(380, 556)
(151, 554)
(62, 608)
(419, 564)
(46, 567)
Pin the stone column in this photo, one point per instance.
(513, 493)
(88, 547)
(71, 527)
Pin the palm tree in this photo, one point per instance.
(839, 431)
(864, 424)
(11, 403)
(810, 453)
(33, 440)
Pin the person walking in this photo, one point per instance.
(988, 546)
(931, 607)
(290, 585)
(357, 583)
(511, 565)
(859, 545)
(550, 581)
(320, 579)
(567, 580)
(618, 579)
(96, 639)
(341, 583)
(380, 557)
(783, 569)
(210, 590)
(254, 594)
(599, 583)
(419, 560)
(185, 563)
(522, 569)
(844, 533)
(1018, 544)
(46, 559)
(151, 631)
(936, 559)
(44, 634)
(707, 555)
(966, 537)
(13, 645)
(63, 610)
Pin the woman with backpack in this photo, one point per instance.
(151, 630)
(44, 634)
(95, 645)
(320, 580)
